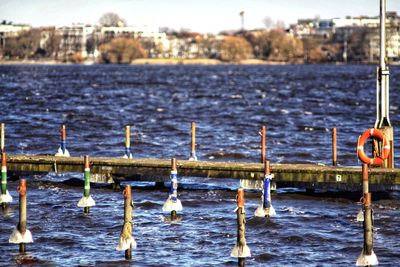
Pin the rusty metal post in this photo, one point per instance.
(126, 241)
(367, 256)
(334, 149)
(128, 217)
(263, 144)
(240, 250)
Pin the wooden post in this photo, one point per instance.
(263, 144)
(193, 156)
(334, 149)
(128, 216)
(22, 212)
(128, 153)
(2, 137)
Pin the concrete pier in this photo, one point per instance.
(296, 175)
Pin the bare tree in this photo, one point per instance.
(111, 19)
(268, 22)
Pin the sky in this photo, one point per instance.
(204, 16)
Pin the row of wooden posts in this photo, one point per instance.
(21, 234)
(63, 151)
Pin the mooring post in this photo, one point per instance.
(367, 256)
(86, 201)
(2, 137)
(334, 149)
(263, 144)
(62, 150)
(126, 240)
(173, 204)
(128, 154)
(5, 196)
(21, 235)
(193, 156)
(266, 209)
(240, 250)
(365, 190)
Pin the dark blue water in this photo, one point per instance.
(299, 104)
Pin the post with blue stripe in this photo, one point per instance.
(173, 204)
(62, 150)
(128, 154)
(86, 201)
(5, 196)
(266, 209)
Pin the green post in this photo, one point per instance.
(3, 177)
(86, 192)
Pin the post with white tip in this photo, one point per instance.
(265, 209)
(128, 154)
(126, 241)
(62, 150)
(193, 156)
(86, 201)
(21, 235)
(367, 256)
(240, 250)
(173, 204)
(5, 196)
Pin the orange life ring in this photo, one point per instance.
(374, 133)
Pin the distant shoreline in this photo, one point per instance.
(174, 61)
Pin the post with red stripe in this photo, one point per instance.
(173, 204)
(62, 150)
(240, 250)
(5, 196)
(86, 201)
(126, 241)
(21, 235)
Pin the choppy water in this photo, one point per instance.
(299, 105)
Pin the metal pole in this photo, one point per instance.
(193, 156)
(382, 91)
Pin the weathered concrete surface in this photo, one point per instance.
(307, 175)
